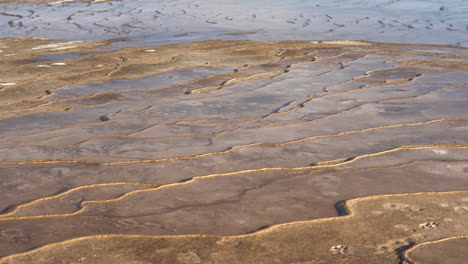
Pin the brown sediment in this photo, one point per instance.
(215, 138)
(386, 224)
(33, 79)
(249, 200)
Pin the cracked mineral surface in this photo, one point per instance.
(229, 145)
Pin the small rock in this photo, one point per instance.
(339, 249)
(58, 64)
(104, 118)
(150, 50)
(428, 225)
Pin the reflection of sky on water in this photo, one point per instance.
(435, 22)
(58, 57)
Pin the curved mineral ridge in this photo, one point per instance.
(377, 230)
(185, 153)
(450, 250)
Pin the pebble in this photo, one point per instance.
(150, 50)
(58, 64)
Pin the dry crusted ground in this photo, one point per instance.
(221, 138)
(378, 230)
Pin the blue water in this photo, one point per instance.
(408, 21)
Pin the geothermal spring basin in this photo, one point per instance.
(186, 132)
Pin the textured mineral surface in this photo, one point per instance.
(208, 149)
